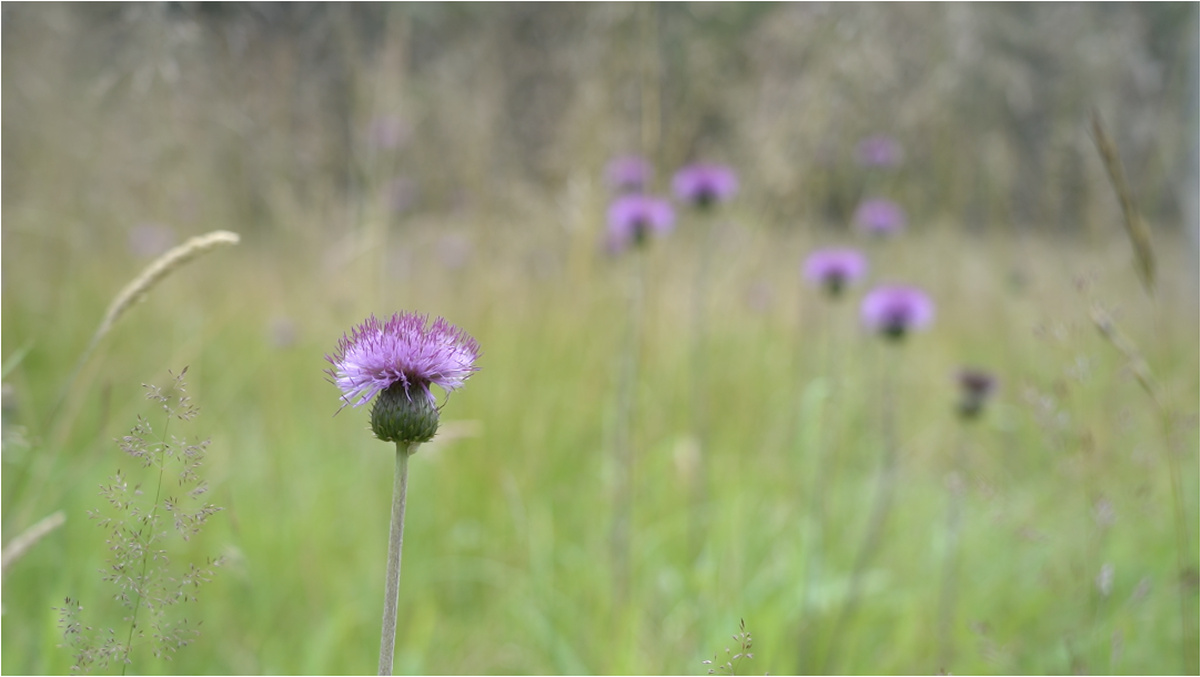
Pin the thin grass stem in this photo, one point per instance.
(877, 519)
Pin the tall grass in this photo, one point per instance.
(511, 519)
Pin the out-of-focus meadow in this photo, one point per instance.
(449, 159)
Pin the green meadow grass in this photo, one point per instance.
(506, 563)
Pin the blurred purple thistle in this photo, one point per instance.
(629, 174)
(703, 185)
(880, 217)
(879, 150)
(835, 269)
(895, 310)
(632, 218)
(388, 132)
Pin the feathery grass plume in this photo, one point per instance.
(20, 545)
(745, 642)
(140, 531)
(1135, 227)
(399, 360)
(1187, 571)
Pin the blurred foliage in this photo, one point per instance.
(448, 158)
(269, 102)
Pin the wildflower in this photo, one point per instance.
(629, 174)
(703, 185)
(834, 269)
(399, 360)
(631, 219)
(976, 386)
(879, 150)
(894, 310)
(388, 132)
(880, 217)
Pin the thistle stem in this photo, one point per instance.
(387, 648)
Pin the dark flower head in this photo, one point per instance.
(976, 387)
(399, 360)
(879, 151)
(703, 185)
(629, 174)
(894, 310)
(880, 217)
(632, 218)
(835, 269)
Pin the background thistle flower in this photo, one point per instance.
(702, 184)
(878, 216)
(834, 269)
(628, 174)
(632, 218)
(895, 310)
(879, 150)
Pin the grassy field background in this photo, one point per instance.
(129, 129)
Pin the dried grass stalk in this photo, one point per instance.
(1139, 234)
(161, 267)
(22, 543)
(1137, 364)
(141, 285)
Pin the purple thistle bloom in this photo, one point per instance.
(894, 310)
(879, 151)
(631, 219)
(834, 269)
(880, 217)
(388, 132)
(703, 185)
(403, 351)
(629, 174)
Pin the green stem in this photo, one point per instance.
(150, 521)
(391, 594)
(876, 521)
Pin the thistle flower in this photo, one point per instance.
(878, 150)
(629, 174)
(703, 185)
(894, 310)
(880, 217)
(976, 386)
(631, 219)
(834, 269)
(388, 132)
(399, 360)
